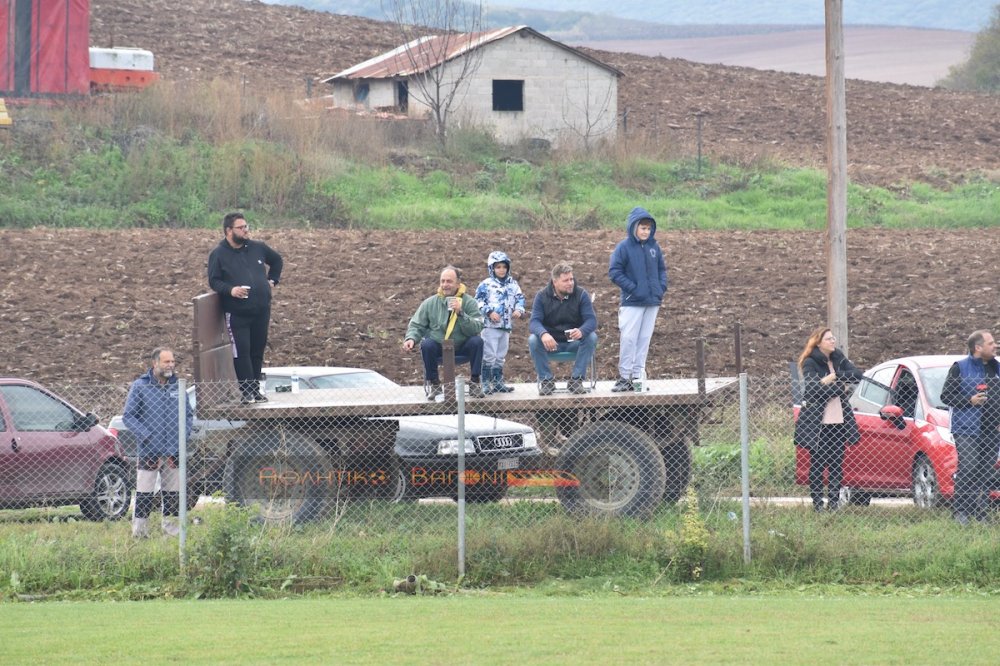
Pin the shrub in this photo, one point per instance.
(223, 553)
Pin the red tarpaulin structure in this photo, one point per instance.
(44, 48)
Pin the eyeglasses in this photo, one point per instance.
(245, 226)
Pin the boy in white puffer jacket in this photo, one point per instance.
(501, 302)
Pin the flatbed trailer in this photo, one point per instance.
(618, 454)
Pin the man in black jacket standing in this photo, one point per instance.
(243, 272)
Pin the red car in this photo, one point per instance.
(906, 442)
(52, 454)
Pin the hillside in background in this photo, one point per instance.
(881, 47)
(703, 16)
(871, 53)
(97, 299)
(895, 133)
(971, 15)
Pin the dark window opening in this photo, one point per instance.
(402, 95)
(361, 93)
(508, 95)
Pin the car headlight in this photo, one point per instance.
(529, 441)
(449, 447)
(945, 434)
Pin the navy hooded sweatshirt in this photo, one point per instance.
(638, 267)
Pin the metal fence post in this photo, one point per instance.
(182, 468)
(460, 394)
(745, 464)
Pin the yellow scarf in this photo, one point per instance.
(454, 314)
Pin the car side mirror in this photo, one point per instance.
(894, 414)
(85, 422)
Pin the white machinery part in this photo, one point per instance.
(121, 58)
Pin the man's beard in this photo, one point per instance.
(166, 374)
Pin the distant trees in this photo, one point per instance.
(981, 71)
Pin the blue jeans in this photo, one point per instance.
(471, 349)
(584, 353)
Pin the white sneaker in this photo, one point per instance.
(140, 528)
(169, 527)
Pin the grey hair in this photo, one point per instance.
(977, 338)
(154, 356)
(561, 269)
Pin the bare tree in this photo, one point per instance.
(441, 63)
(590, 118)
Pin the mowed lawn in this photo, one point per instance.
(498, 629)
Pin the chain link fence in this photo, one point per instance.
(349, 449)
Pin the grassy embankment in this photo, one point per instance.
(368, 546)
(179, 157)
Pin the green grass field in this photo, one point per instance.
(501, 629)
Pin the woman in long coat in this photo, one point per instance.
(826, 421)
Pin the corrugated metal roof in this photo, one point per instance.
(426, 53)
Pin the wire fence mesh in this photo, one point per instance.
(349, 449)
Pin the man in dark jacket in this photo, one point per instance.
(243, 272)
(637, 267)
(972, 390)
(562, 319)
(151, 412)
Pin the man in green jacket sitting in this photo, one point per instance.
(450, 314)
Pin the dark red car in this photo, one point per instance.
(906, 443)
(52, 454)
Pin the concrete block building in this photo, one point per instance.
(515, 82)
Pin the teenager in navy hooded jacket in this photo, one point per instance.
(638, 268)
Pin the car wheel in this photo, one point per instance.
(926, 494)
(618, 469)
(284, 475)
(854, 497)
(111, 495)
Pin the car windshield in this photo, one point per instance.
(933, 381)
(367, 379)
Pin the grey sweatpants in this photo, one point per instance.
(495, 344)
(635, 328)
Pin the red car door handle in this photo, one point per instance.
(13, 445)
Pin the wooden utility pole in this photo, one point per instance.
(836, 180)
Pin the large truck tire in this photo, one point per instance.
(282, 473)
(617, 470)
